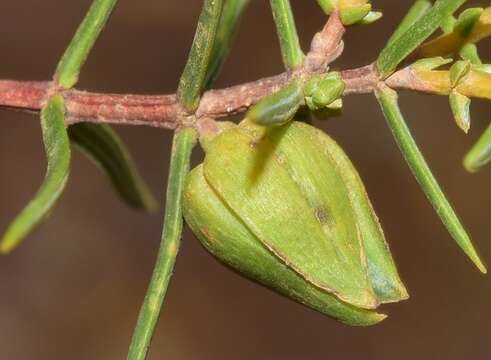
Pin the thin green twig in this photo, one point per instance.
(420, 169)
(287, 33)
(184, 141)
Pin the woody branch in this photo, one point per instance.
(164, 111)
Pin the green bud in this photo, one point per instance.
(460, 106)
(279, 107)
(432, 63)
(353, 15)
(458, 71)
(321, 91)
(285, 207)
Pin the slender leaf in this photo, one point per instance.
(395, 52)
(229, 22)
(419, 8)
(480, 154)
(57, 148)
(193, 79)
(184, 141)
(75, 55)
(101, 144)
(287, 33)
(390, 107)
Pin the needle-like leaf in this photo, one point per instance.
(101, 144)
(229, 22)
(419, 8)
(404, 139)
(193, 79)
(287, 33)
(184, 141)
(75, 55)
(480, 154)
(397, 50)
(57, 148)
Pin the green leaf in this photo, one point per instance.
(75, 55)
(101, 144)
(229, 22)
(183, 144)
(420, 169)
(287, 33)
(193, 79)
(419, 8)
(57, 149)
(480, 153)
(403, 45)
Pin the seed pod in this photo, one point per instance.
(285, 207)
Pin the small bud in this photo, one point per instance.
(460, 106)
(285, 207)
(458, 71)
(321, 91)
(279, 107)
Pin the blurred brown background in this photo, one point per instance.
(73, 290)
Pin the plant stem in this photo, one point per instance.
(415, 35)
(193, 78)
(420, 169)
(184, 141)
(75, 55)
(287, 33)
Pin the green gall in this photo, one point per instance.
(279, 107)
(460, 106)
(285, 207)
